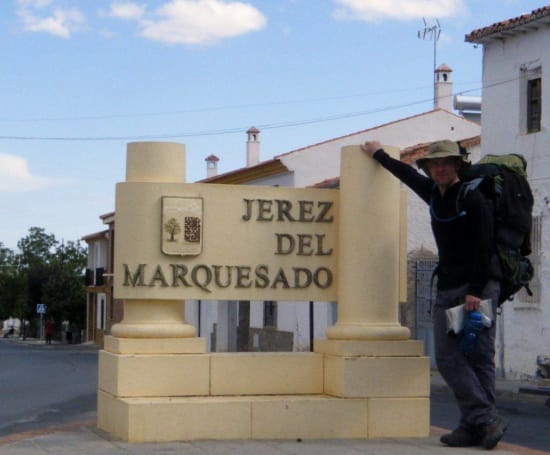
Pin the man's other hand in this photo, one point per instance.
(471, 302)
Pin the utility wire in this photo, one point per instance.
(235, 130)
(206, 109)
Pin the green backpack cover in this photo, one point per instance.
(502, 179)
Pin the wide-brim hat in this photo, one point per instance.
(443, 149)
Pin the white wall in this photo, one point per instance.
(502, 107)
(294, 317)
(285, 180)
(97, 254)
(525, 329)
(208, 317)
(316, 163)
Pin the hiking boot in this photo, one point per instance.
(493, 432)
(460, 438)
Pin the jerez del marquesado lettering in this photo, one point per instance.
(209, 277)
(286, 227)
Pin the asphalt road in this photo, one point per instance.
(45, 385)
(42, 386)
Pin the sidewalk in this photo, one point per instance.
(84, 438)
(81, 438)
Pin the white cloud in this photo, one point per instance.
(58, 22)
(199, 21)
(16, 177)
(401, 10)
(126, 10)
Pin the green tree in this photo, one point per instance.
(7, 257)
(63, 291)
(12, 286)
(43, 271)
(35, 255)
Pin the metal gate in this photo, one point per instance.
(425, 295)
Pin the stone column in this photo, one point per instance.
(368, 251)
(153, 162)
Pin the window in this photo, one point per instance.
(534, 102)
(270, 313)
(535, 257)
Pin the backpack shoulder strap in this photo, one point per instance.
(471, 185)
(465, 189)
(436, 217)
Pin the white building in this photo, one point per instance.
(515, 120)
(100, 309)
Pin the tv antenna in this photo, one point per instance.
(432, 32)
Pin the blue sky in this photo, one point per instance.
(81, 79)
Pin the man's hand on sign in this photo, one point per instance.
(370, 147)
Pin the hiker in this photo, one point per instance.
(463, 229)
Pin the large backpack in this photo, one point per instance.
(502, 179)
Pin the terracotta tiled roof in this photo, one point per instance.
(411, 154)
(408, 155)
(520, 24)
(211, 158)
(328, 183)
(443, 67)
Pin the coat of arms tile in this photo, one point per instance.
(181, 225)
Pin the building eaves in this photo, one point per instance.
(95, 236)
(248, 174)
(375, 128)
(510, 27)
(108, 218)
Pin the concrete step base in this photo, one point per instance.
(288, 417)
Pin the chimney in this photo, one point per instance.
(443, 88)
(211, 166)
(253, 147)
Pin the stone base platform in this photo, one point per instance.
(344, 390)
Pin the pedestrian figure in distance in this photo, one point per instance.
(50, 327)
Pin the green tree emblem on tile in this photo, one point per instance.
(173, 228)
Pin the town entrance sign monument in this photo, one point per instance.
(177, 241)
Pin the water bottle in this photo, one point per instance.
(472, 327)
